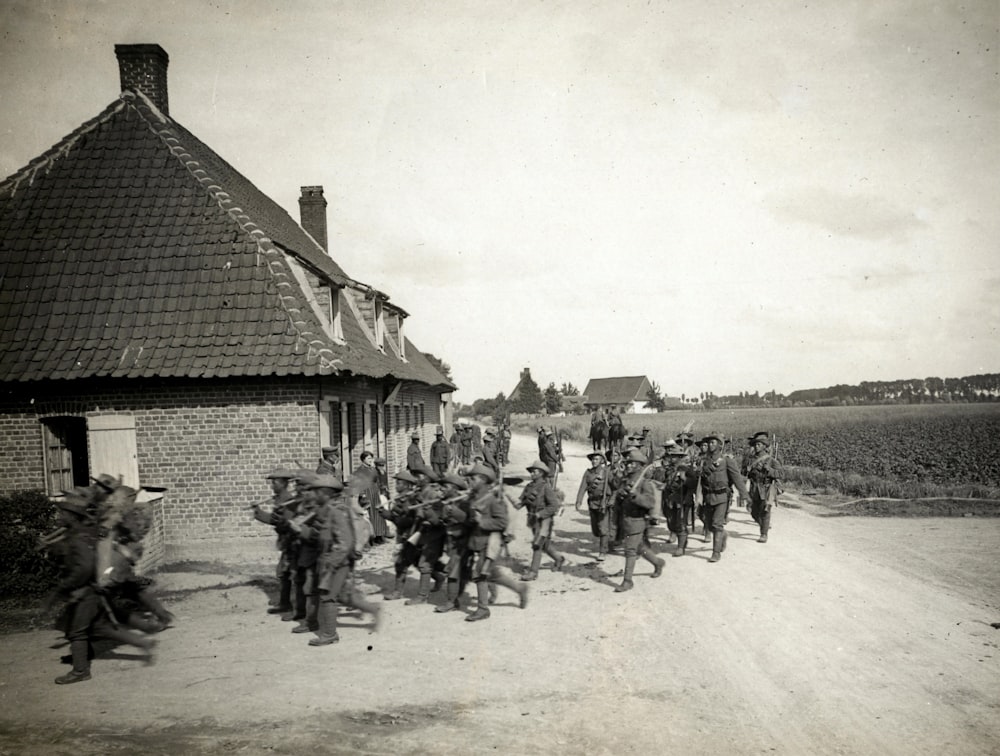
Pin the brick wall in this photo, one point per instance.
(209, 442)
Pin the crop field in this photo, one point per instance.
(937, 444)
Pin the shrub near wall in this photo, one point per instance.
(24, 569)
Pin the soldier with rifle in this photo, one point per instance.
(551, 456)
(284, 506)
(401, 513)
(541, 501)
(718, 473)
(637, 498)
(763, 473)
(596, 484)
(455, 518)
(488, 520)
(678, 478)
(430, 529)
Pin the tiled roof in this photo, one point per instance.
(616, 390)
(131, 249)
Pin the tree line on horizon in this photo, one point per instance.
(532, 400)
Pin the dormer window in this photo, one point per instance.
(332, 306)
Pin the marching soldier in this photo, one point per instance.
(542, 503)
(429, 532)
(307, 553)
(645, 442)
(284, 506)
(333, 527)
(763, 474)
(402, 515)
(678, 477)
(596, 484)
(550, 455)
(455, 518)
(637, 497)
(490, 457)
(488, 520)
(718, 473)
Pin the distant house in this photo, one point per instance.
(628, 394)
(163, 320)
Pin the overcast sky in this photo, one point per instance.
(722, 197)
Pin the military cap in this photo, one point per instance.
(539, 465)
(406, 476)
(636, 455)
(107, 482)
(646, 429)
(550, 432)
(599, 455)
(541, 429)
(488, 434)
(439, 431)
(415, 436)
(759, 439)
(323, 481)
(304, 478)
(669, 444)
(456, 480)
(328, 449)
(675, 451)
(710, 437)
(282, 474)
(486, 472)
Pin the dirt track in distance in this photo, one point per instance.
(840, 636)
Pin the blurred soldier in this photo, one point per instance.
(329, 463)
(550, 455)
(542, 435)
(440, 453)
(455, 517)
(401, 513)
(596, 484)
(616, 471)
(504, 443)
(488, 520)
(637, 497)
(338, 551)
(430, 535)
(718, 473)
(763, 473)
(490, 458)
(414, 457)
(307, 550)
(284, 506)
(542, 504)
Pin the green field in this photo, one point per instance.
(910, 450)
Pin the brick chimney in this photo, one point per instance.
(144, 68)
(312, 212)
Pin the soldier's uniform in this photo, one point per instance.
(339, 549)
(330, 463)
(307, 554)
(646, 443)
(490, 451)
(542, 504)
(488, 520)
(678, 477)
(637, 498)
(402, 515)
(440, 453)
(718, 473)
(596, 484)
(414, 457)
(764, 474)
(455, 518)
(549, 456)
(429, 530)
(284, 506)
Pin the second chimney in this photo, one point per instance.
(312, 212)
(144, 68)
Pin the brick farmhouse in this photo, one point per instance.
(163, 320)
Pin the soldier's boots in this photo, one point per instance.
(440, 579)
(422, 593)
(397, 589)
(452, 598)
(627, 581)
(706, 533)
(144, 644)
(506, 581)
(682, 542)
(558, 558)
(284, 600)
(492, 594)
(482, 594)
(718, 544)
(80, 654)
(145, 624)
(725, 540)
(602, 548)
(657, 566)
(536, 561)
(480, 614)
(326, 617)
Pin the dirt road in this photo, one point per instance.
(840, 636)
